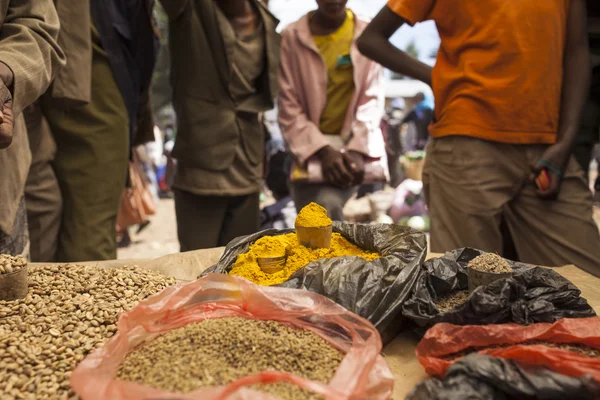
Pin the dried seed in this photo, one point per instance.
(490, 262)
(218, 351)
(452, 301)
(45, 335)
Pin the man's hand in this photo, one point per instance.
(576, 86)
(355, 162)
(6, 113)
(334, 167)
(554, 161)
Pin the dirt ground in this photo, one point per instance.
(160, 237)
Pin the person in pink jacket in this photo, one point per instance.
(330, 107)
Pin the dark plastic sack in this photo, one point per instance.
(443, 344)
(479, 377)
(362, 374)
(375, 290)
(532, 295)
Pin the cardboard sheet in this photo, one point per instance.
(400, 353)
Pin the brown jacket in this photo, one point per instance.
(28, 33)
(208, 129)
(73, 83)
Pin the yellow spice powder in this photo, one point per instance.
(299, 256)
(313, 216)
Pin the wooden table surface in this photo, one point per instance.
(400, 353)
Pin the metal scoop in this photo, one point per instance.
(314, 238)
(271, 265)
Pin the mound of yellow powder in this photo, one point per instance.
(313, 216)
(299, 256)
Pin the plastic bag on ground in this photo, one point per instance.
(363, 373)
(375, 290)
(532, 295)
(438, 349)
(479, 377)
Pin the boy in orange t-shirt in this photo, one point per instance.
(509, 88)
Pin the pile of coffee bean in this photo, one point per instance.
(452, 301)
(69, 311)
(216, 352)
(10, 264)
(490, 262)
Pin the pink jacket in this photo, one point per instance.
(303, 96)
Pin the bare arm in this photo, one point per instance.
(577, 75)
(375, 44)
(575, 90)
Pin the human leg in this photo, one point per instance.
(91, 166)
(556, 233)
(467, 182)
(16, 243)
(199, 220)
(241, 218)
(44, 211)
(42, 193)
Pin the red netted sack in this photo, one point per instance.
(362, 374)
(437, 349)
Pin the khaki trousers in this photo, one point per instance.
(471, 185)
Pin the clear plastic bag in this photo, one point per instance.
(362, 374)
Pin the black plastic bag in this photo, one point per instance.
(375, 290)
(532, 295)
(487, 378)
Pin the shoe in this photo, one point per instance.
(142, 226)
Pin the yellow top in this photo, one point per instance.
(313, 216)
(335, 50)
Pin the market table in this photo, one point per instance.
(400, 353)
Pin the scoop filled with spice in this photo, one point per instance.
(314, 227)
(271, 255)
(486, 269)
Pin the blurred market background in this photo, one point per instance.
(402, 202)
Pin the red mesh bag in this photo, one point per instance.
(443, 340)
(362, 374)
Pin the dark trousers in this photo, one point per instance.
(42, 193)
(588, 135)
(91, 166)
(204, 222)
(17, 242)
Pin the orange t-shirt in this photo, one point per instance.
(499, 71)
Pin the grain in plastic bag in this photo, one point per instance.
(363, 373)
(443, 344)
(532, 295)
